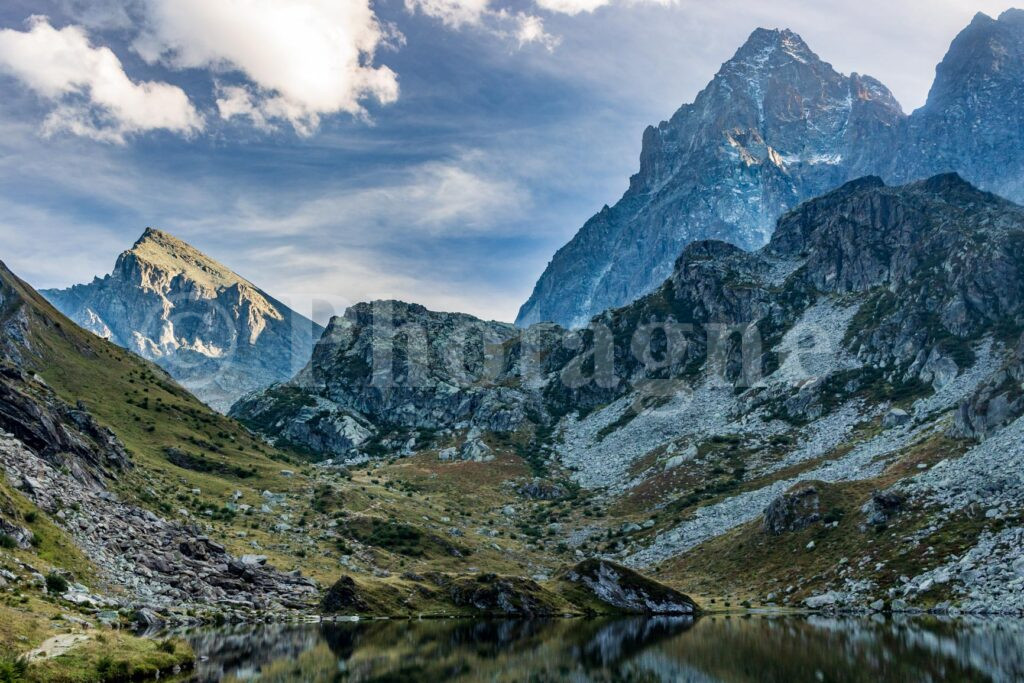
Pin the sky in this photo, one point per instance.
(336, 151)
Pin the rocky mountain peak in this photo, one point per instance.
(172, 257)
(214, 331)
(1012, 15)
(777, 126)
(987, 55)
(766, 45)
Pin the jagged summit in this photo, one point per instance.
(217, 333)
(765, 44)
(174, 256)
(987, 55)
(775, 126)
(1013, 14)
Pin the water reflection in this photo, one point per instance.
(759, 648)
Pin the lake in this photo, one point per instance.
(715, 648)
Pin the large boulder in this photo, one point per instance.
(794, 510)
(624, 590)
(883, 506)
(344, 597)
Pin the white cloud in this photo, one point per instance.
(452, 13)
(519, 27)
(94, 97)
(530, 29)
(573, 7)
(305, 58)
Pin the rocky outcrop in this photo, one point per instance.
(388, 366)
(996, 403)
(495, 595)
(624, 590)
(15, 534)
(344, 598)
(777, 126)
(883, 506)
(216, 333)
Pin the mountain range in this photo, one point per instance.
(824, 410)
(775, 127)
(874, 341)
(219, 335)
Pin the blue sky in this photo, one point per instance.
(438, 151)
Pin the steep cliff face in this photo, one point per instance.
(216, 333)
(778, 126)
(64, 436)
(972, 122)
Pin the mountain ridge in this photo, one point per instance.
(878, 335)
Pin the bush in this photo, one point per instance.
(7, 542)
(13, 669)
(166, 646)
(110, 671)
(55, 583)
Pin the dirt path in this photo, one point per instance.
(56, 646)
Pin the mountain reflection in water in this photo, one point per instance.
(720, 648)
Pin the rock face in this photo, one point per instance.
(64, 436)
(344, 597)
(778, 126)
(390, 365)
(883, 506)
(160, 563)
(996, 402)
(494, 595)
(625, 590)
(972, 122)
(216, 333)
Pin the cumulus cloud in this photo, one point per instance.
(519, 27)
(92, 94)
(304, 58)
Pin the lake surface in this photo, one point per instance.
(719, 648)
